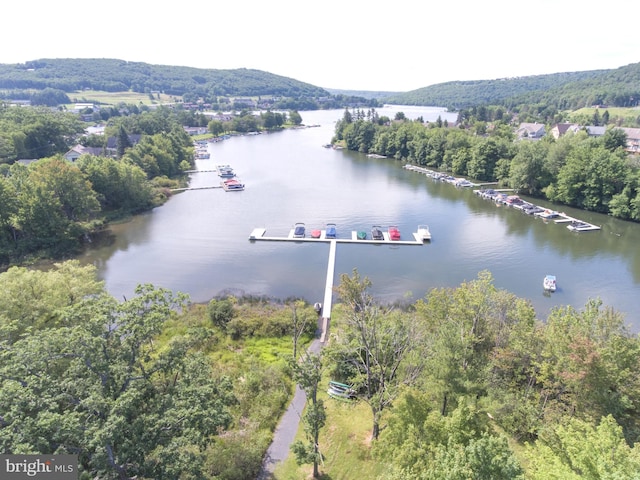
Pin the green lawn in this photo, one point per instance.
(344, 442)
(614, 112)
(114, 98)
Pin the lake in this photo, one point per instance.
(197, 242)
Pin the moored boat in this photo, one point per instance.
(424, 233)
(316, 233)
(548, 214)
(299, 230)
(330, 232)
(232, 185)
(394, 233)
(361, 235)
(376, 233)
(225, 171)
(578, 226)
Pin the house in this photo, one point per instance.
(595, 131)
(195, 130)
(531, 131)
(633, 139)
(560, 129)
(79, 150)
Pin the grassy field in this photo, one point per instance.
(344, 442)
(114, 98)
(614, 112)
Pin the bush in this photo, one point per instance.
(220, 312)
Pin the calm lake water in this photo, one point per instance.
(197, 243)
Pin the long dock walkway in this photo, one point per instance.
(287, 428)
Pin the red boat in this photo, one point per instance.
(315, 233)
(232, 185)
(394, 233)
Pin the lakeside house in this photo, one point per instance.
(531, 131)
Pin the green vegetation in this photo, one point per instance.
(489, 391)
(139, 388)
(50, 207)
(464, 94)
(54, 82)
(589, 173)
(559, 91)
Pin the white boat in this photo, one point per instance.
(548, 214)
(578, 226)
(225, 171)
(424, 233)
(549, 283)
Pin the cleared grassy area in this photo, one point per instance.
(614, 112)
(114, 98)
(344, 442)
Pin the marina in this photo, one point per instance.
(508, 198)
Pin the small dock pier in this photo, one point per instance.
(259, 234)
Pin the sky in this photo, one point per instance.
(370, 45)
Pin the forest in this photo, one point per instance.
(561, 91)
(593, 174)
(464, 383)
(53, 82)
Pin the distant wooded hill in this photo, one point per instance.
(619, 87)
(70, 75)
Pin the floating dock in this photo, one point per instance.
(260, 234)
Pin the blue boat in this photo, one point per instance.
(331, 231)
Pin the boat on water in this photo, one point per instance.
(361, 235)
(548, 214)
(394, 233)
(232, 185)
(549, 283)
(225, 171)
(376, 233)
(330, 232)
(424, 233)
(316, 233)
(578, 226)
(299, 230)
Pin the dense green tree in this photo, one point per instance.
(377, 345)
(99, 387)
(307, 372)
(527, 171)
(422, 444)
(591, 177)
(120, 186)
(579, 450)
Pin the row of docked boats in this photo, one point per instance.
(518, 203)
(229, 183)
(202, 153)
(377, 233)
